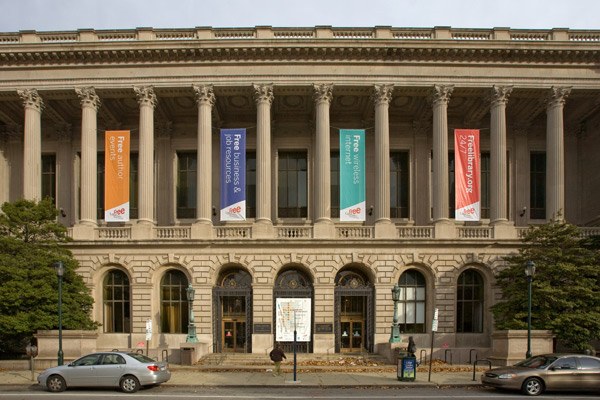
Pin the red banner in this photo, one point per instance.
(466, 156)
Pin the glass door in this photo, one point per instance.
(234, 336)
(352, 336)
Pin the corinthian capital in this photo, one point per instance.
(558, 96)
(382, 94)
(88, 97)
(204, 94)
(146, 96)
(31, 99)
(441, 94)
(263, 93)
(323, 93)
(500, 95)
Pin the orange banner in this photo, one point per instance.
(116, 176)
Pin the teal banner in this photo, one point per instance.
(352, 175)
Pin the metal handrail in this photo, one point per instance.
(446, 353)
(470, 353)
(475, 365)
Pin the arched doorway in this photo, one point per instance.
(232, 312)
(353, 326)
(295, 284)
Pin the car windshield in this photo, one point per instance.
(141, 357)
(539, 362)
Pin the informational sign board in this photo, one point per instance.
(148, 329)
(293, 315)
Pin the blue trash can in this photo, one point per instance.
(407, 367)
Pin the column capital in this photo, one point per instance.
(382, 94)
(263, 93)
(557, 96)
(146, 96)
(88, 97)
(205, 95)
(441, 94)
(31, 99)
(323, 93)
(500, 95)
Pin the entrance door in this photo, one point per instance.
(352, 332)
(234, 336)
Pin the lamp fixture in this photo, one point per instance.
(370, 210)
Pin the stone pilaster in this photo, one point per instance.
(90, 102)
(32, 150)
(323, 94)
(263, 95)
(498, 187)
(440, 99)
(205, 98)
(165, 214)
(382, 95)
(147, 100)
(422, 209)
(555, 153)
(64, 174)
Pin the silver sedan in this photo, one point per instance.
(547, 372)
(129, 371)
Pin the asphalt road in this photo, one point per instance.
(291, 393)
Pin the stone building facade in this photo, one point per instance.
(534, 95)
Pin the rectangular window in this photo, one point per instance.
(251, 184)
(292, 185)
(49, 177)
(335, 183)
(186, 184)
(399, 184)
(537, 185)
(485, 185)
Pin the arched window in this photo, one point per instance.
(117, 308)
(174, 307)
(411, 308)
(469, 307)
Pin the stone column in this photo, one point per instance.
(263, 95)
(440, 99)
(555, 153)
(14, 159)
(498, 162)
(90, 102)
(522, 162)
(32, 149)
(323, 95)
(147, 100)
(382, 95)
(205, 98)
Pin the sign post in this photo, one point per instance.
(434, 328)
(148, 333)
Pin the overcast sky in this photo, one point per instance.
(55, 15)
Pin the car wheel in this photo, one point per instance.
(56, 383)
(129, 384)
(533, 387)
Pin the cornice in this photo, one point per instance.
(270, 51)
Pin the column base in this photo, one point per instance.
(324, 229)
(444, 229)
(384, 229)
(202, 229)
(263, 229)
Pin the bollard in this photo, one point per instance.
(475, 366)
(165, 355)
(421, 356)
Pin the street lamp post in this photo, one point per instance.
(59, 268)
(395, 336)
(529, 271)
(191, 337)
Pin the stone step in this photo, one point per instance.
(242, 359)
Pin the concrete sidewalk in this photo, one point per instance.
(182, 376)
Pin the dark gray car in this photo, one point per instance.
(129, 371)
(556, 371)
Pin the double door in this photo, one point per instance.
(234, 335)
(352, 335)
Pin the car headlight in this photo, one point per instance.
(507, 376)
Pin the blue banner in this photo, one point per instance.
(233, 174)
